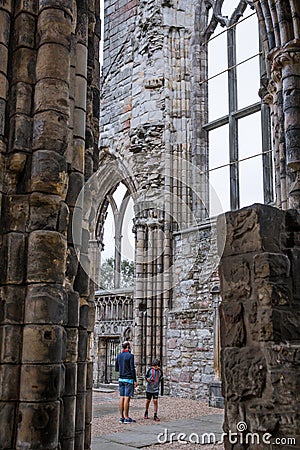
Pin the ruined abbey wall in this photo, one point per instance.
(148, 110)
(49, 109)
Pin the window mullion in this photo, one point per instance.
(233, 123)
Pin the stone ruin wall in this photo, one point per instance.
(191, 321)
(260, 317)
(49, 112)
(146, 114)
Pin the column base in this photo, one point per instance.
(216, 400)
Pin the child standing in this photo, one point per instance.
(154, 378)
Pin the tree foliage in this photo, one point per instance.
(107, 274)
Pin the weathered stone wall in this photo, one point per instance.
(146, 131)
(49, 112)
(260, 317)
(191, 320)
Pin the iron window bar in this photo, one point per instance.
(231, 163)
(230, 68)
(228, 28)
(239, 114)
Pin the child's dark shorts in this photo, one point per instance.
(150, 395)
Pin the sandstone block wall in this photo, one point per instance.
(260, 316)
(49, 112)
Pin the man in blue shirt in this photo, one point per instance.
(127, 381)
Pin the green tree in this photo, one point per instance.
(107, 274)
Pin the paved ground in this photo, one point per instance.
(147, 434)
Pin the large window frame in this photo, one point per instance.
(235, 113)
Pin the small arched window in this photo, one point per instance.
(116, 240)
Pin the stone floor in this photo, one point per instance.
(188, 421)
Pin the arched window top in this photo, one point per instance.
(114, 229)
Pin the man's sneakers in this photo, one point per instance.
(146, 415)
(129, 420)
(157, 419)
(121, 420)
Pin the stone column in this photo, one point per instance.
(139, 301)
(43, 351)
(289, 61)
(260, 320)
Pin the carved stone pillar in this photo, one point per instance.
(260, 320)
(286, 65)
(149, 289)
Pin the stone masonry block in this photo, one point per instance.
(72, 263)
(53, 61)
(3, 58)
(46, 212)
(286, 325)
(29, 6)
(81, 376)
(295, 262)
(25, 24)
(80, 411)
(81, 92)
(82, 345)
(50, 131)
(49, 173)
(81, 283)
(69, 417)
(41, 382)
(89, 378)
(52, 94)
(26, 69)
(274, 294)
(70, 379)
(78, 148)
(235, 277)
(245, 373)
(22, 94)
(16, 212)
(38, 423)
(20, 132)
(9, 391)
(72, 345)
(11, 304)
(10, 344)
(46, 257)
(7, 414)
(61, 33)
(233, 331)
(76, 182)
(4, 26)
(43, 344)
(46, 303)
(270, 265)
(257, 228)
(73, 309)
(13, 258)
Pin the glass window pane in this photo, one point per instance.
(246, 47)
(119, 194)
(218, 147)
(109, 235)
(218, 97)
(250, 135)
(228, 7)
(128, 236)
(248, 82)
(219, 191)
(251, 181)
(217, 52)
